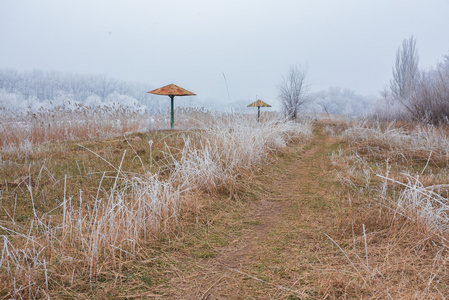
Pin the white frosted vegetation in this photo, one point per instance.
(230, 146)
(424, 203)
(139, 207)
(400, 141)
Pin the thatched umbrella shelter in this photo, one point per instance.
(172, 90)
(259, 104)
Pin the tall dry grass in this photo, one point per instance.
(419, 156)
(23, 131)
(397, 188)
(86, 236)
(230, 146)
(400, 138)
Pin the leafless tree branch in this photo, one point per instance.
(293, 91)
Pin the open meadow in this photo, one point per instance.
(224, 150)
(109, 204)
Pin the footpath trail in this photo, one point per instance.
(278, 249)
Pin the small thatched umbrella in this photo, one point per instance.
(259, 104)
(172, 90)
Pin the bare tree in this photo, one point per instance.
(423, 93)
(430, 100)
(293, 91)
(405, 72)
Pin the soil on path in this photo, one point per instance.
(277, 248)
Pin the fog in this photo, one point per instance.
(226, 52)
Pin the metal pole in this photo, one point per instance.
(172, 115)
(258, 114)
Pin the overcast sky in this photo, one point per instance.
(346, 43)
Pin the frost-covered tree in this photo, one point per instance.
(430, 99)
(44, 89)
(293, 91)
(422, 94)
(337, 100)
(12, 102)
(405, 71)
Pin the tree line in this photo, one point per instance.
(413, 94)
(44, 89)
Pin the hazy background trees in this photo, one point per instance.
(22, 91)
(415, 94)
(293, 91)
(343, 101)
(296, 98)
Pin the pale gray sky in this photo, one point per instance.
(346, 43)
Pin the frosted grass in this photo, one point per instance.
(427, 205)
(427, 138)
(139, 207)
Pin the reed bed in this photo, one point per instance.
(23, 131)
(84, 235)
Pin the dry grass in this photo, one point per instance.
(22, 132)
(397, 190)
(85, 209)
(188, 213)
(298, 233)
(59, 124)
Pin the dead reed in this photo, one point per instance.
(23, 131)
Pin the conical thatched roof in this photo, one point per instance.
(172, 90)
(259, 103)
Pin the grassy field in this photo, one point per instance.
(229, 209)
(78, 208)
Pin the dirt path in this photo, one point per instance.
(280, 249)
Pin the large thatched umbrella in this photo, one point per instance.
(172, 90)
(259, 104)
